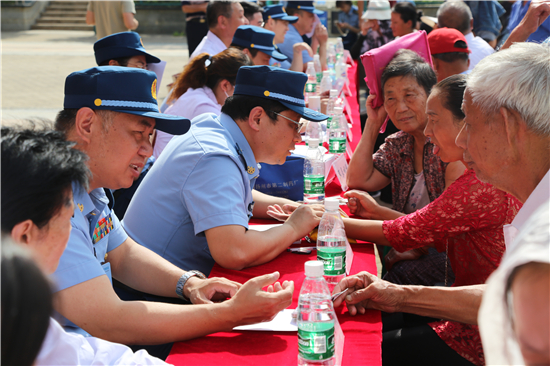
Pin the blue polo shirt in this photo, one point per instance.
(292, 37)
(202, 180)
(95, 232)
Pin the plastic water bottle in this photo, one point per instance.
(339, 48)
(318, 68)
(330, 105)
(313, 129)
(315, 318)
(311, 84)
(331, 62)
(331, 243)
(314, 173)
(326, 81)
(341, 70)
(337, 132)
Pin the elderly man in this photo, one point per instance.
(200, 216)
(223, 17)
(506, 137)
(305, 11)
(456, 14)
(110, 113)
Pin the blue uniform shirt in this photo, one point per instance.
(292, 37)
(202, 180)
(282, 64)
(95, 232)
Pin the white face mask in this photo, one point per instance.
(227, 95)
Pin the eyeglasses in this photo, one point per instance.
(299, 125)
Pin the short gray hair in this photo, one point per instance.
(517, 78)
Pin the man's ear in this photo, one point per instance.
(22, 233)
(246, 51)
(85, 122)
(514, 127)
(222, 22)
(254, 118)
(113, 63)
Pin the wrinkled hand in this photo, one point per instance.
(536, 15)
(366, 291)
(394, 256)
(320, 33)
(362, 204)
(210, 290)
(376, 115)
(302, 46)
(253, 305)
(283, 213)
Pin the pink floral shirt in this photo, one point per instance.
(469, 217)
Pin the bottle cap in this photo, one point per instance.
(326, 73)
(338, 110)
(310, 63)
(315, 103)
(333, 93)
(314, 269)
(315, 57)
(313, 142)
(332, 203)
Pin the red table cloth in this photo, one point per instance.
(363, 333)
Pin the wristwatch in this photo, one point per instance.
(183, 280)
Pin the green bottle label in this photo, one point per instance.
(334, 260)
(337, 145)
(314, 185)
(319, 77)
(329, 121)
(316, 345)
(311, 88)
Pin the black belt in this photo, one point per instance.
(196, 20)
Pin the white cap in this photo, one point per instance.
(338, 110)
(333, 93)
(313, 142)
(310, 63)
(315, 57)
(332, 203)
(326, 73)
(315, 103)
(314, 269)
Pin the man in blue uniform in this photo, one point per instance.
(198, 196)
(110, 113)
(257, 43)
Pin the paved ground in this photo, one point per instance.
(36, 62)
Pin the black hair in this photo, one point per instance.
(250, 9)
(38, 168)
(454, 14)
(238, 107)
(409, 63)
(26, 306)
(216, 8)
(292, 11)
(253, 51)
(340, 3)
(452, 56)
(451, 93)
(407, 11)
(122, 61)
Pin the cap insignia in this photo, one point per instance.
(299, 6)
(266, 93)
(80, 206)
(269, 17)
(250, 170)
(252, 45)
(97, 102)
(154, 89)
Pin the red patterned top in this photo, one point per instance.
(469, 215)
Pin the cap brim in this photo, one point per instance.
(174, 125)
(318, 12)
(306, 113)
(289, 18)
(278, 56)
(151, 59)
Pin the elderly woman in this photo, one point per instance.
(465, 223)
(406, 159)
(202, 87)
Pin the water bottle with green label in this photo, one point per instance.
(315, 318)
(318, 68)
(314, 173)
(337, 132)
(333, 96)
(311, 83)
(331, 243)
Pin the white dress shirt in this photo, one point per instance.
(527, 240)
(62, 348)
(210, 44)
(480, 49)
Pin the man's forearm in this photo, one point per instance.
(361, 164)
(451, 303)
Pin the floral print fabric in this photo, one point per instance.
(469, 217)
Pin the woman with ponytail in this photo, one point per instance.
(202, 87)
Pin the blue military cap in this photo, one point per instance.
(304, 5)
(252, 37)
(284, 86)
(277, 12)
(120, 89)
(124, 44)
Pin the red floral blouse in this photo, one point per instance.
(469, 216)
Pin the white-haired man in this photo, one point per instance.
(506, 137)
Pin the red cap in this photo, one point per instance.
(445, 40)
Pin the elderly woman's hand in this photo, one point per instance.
(376, 115)
(362, 204)
(366, 291)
